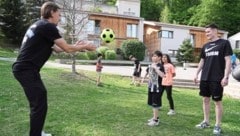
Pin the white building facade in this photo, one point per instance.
(235, 41)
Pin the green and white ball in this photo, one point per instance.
(107, 35)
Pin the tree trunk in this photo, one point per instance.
(74, 64)
(184, 65)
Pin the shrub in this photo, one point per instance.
(92, 55)
(110, 55)
(82, 56)
(102, 50)
(118, 51)
(62, 55)
(133, 47)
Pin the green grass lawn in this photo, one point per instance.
(7, 52)
(77, 107)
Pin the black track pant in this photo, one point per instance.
(36, 94)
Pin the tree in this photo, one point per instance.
(12, 20)
(222, 12)
(185, 52)
(227, 16)
(205, 13)
(110, 2)
(133, 47)
(33, 10)
(181, 10)
(151, 9)
(165, 15)
(225, 13)
(75, 19)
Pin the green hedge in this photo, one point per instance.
(133, 47)
(102, 50)
(92, 55)
(110, 55)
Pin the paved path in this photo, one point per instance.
(233, 89)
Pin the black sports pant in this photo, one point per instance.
(169, 96)
(36, 94)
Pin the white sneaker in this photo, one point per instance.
(150, 120)
(46, 134)
(153, 122)
(171, 112)
(217, 130)
(203, 125)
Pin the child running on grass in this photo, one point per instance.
(137, 71)
(99, 68)
(167, 81)
(155, 72)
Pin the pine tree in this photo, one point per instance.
(12, 20)
(33, 9)
(185, 52)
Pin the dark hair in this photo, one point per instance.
(168, 59)
(99, 55)
(46, 9)
(158, 53)
(213, 26)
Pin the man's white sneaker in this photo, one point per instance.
(153, 123)
(203, 125)
(171, 112)
(46, 134)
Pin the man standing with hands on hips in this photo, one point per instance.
(215, 64)
(40, 40)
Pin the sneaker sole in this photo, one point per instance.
(217, 133)
(153, 125)
(202, 127)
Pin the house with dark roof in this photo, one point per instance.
(124, 18)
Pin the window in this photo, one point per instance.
(97, 42)
(132, 30)
(97, 27)
(166, 34)
(93, 26)
(172, 52)
(90, 27)
(192, 39)
(237, 46)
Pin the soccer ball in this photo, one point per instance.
(107, 35)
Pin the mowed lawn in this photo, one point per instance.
(77, 107)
